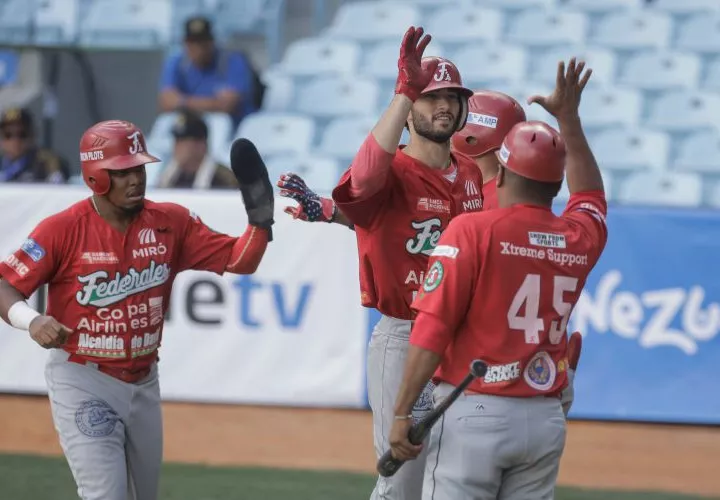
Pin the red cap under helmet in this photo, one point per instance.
(491, 116)
(111, 145)
(447, 76)
(534, 150)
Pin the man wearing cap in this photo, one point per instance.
(191, 165)
(502, 290)
(22, 160)
(206, 78)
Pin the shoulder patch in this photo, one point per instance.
(434, 277)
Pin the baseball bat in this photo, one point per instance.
(389, 465)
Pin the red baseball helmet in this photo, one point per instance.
(534, 150)
(491, 116)
(447, 76)
(111, 145)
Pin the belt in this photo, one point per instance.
(122, 374)
(469, 392)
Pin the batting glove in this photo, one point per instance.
(311, 207)
(412, 80)
(573, 351)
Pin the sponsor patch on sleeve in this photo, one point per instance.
(434, 276)
(33, 250)
(592, 210)
(445, 251)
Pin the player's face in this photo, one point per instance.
(434, 115)
(127, 189)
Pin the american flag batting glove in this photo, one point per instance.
(311, 207)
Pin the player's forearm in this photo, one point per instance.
(388, 130)
(248, 251)
(8, 297)
(419, 367)
(582, 171)
(341, 218)
(204, 104)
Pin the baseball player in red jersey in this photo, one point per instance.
(500, 287)
(109, 262)
(400, 199)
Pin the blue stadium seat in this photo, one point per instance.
(466, 24)
(15, 21)
(516, 5)
(661, 71)
(278, 133)
(492, 63)
(380, 61)
(280, 92)
(370, 21)
(326, 97)
(682, 111)
(56, 22)
(9, 66)
(127, 24)
(600, 7)
(633, 30)
(321, 173)
(159, 138)
(611, 107)
(662, 189)
(602, 61)
(699, 152)
(685, 6)
(608, 184)
(320, 56)
(542, 28)
(630, 149)
(343, 136)
(712, 76)
(714, 198)
(700, 33)
(220, 130)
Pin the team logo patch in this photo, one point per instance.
(96, 418)
(424, 402)
(434, 276)
(540, 372)
(33, 250)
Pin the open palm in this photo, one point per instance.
(565, 99)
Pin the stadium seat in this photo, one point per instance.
(680, 111)
(381, 59)
(700, 33)
(321, 173)
(220, 129)
(278, 133)
(160, 138)
(714, 198)
(661, 71)
(712, 76)
(610, 107)
(15, 21)
(370, 21)
(685, 6)
(127, 24)
(343, 136)
(602, 61)
(466, 24)
(280, 92)
(517, 5)
(327, 97)
(662, 189)
(542, 28)
(608, 184)
(9, 67)
(630, 149)
(491, 63)
(699, 152)
(600, 7)
(320, 56)
(642, 29)
(56, 22)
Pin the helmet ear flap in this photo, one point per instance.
(462, 118)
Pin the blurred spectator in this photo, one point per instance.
(206, 78)
(22, 160)
(191, 165)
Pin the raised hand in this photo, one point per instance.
(311, 207)
(412, 79)
(565, 99)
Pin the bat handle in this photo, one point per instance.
(388, 465)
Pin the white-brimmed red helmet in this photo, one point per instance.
(111, 145)
(534, 150)
(447, 76)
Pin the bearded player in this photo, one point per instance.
(502, 290)
(109, 262)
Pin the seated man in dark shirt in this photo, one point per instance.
(20, 159)
(192, 166)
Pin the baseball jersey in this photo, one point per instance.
(489, 189)
(398, 227)
(501, 287)
(112, 288)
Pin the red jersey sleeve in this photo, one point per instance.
(37, 260)
(362, 211)
(448, 288)
(588, 210)
(202, 248)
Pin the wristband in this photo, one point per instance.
(21, 315)
(403, 417)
